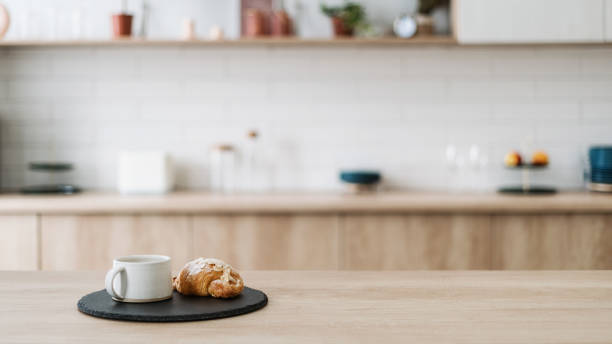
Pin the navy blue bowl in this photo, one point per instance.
(360, 177)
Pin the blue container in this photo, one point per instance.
(360, 177)
(601, 157)
(603, 174)
(600, 180)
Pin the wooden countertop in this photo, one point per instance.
(337, 307)
(200, 202)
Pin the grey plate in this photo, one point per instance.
(178, 308)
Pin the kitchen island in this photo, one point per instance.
(337, 307)
(312, 231)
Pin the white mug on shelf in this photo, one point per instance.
(140, 278)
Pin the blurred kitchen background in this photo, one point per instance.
(317, 109)
(307, 134)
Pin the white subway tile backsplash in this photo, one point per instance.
(470, 62)
(597, 111)
(530, 113)
(490, 88)
(398, 91)
(443, 113)
(21, 63)
(3, 90)
(184, 112)
(318, 109)
(49, 89)
(71, 63)
(137, 89)
(249, 64)
(597, 133)
(179, 67)
(224, 90)
(313, 91)
(115, 111)
(541, 62)
(574, 89)
(119, 65)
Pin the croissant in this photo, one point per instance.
(203, 277)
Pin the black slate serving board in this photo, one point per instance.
(178, 308)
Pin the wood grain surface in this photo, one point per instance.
(551, 242)
(92, 242)
(246, 42)
(405, 242)
(275, 203)
(19, 245)
(269, 242)
(337, 307)
(316, 241)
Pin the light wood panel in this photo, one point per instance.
(19, 244)
(430, 307)
(91, 242)
(275, 41)
(395, 242)
(552, 242)
(269, 241)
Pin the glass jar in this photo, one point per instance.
(222, 168)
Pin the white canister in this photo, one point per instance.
(189, 31)
(145, 172)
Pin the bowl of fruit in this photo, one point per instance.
(513, 159)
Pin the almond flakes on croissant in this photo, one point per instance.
(210, 276)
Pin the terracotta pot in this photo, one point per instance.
(5, 21)
(254, 23)
(122, 25)
(281, 24)
(340, 30)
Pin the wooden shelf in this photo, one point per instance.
(386, 41)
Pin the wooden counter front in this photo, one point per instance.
(391, 231)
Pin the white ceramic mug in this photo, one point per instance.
(140, 278)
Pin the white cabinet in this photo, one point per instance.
(608, 20)
(530, 21)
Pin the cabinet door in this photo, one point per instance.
(529, 21)
(92, 242)
(608, 20)
(396, 242)
(19, 244)
(547, 242)
(269, 242)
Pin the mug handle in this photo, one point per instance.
(110, 277)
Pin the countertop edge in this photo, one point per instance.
(304, 203)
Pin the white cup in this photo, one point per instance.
(141, 278)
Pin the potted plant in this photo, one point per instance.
(344, 18)
(122, 22)
(425, 21)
